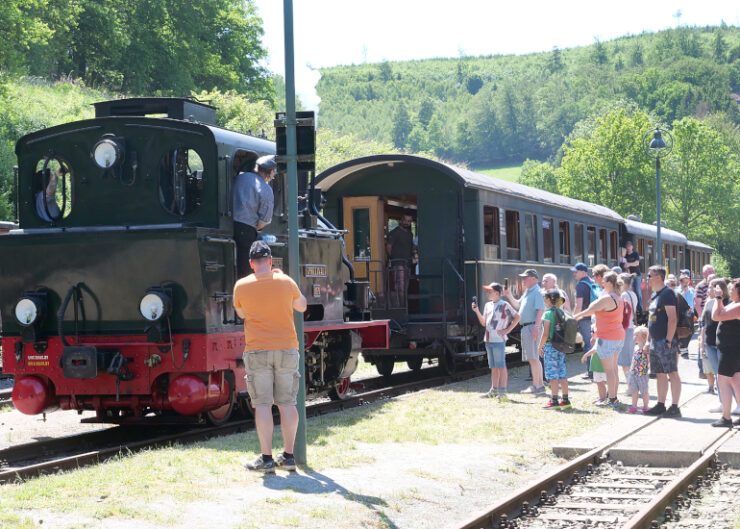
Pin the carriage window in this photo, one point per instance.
(675, 251)
(181, 181)
(591, 236)
(512, 235)
(361, 235)
(604, 257)
(641, 253)
(491, 232)
(613, 246)
(53, 189)
(564, 237)
(649, 254)
(681, 262)
(530, 237)
(579, 242)
(548, 240)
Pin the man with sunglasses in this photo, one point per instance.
(662, 323)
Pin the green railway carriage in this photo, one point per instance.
(471, 229)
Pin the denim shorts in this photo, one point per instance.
(608, 348)
(555, 368)
(663, 356)
(496, 354)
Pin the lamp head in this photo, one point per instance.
(657, 143)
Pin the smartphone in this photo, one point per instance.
(506, 283)
(475, 299)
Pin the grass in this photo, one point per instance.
(503, 172)
(126, 487)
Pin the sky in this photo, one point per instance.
(334, 32)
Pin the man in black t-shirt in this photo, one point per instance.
(632, 264)
(662, 323)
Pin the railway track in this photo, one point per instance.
(33, 459)
(594, 491)
(5, 397)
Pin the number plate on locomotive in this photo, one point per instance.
(314, 270)
(316, 290)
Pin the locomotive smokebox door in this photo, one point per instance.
(80, 362)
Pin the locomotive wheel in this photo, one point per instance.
(415, 363)
(385, 365)
(340, 390)
(220, 415)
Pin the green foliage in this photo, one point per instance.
(401, 126)
(167, 47)
(331, 148)
(540, 175)
(238, 112)
(526, 106)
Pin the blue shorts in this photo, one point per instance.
(496, 354)
(607, 348)
(555, 368)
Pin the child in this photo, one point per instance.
(499, 319)
(638, 378)
(599, 374)
(555, 368)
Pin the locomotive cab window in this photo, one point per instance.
(181, 181)
(52, 184)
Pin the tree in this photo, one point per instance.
(555, 60)
(385, 71)
(473, 84)
(699, 178)
(636, 57)
(20, 29)
(719, 47)
(401, 126)
(609, 167)
(426, 111)
(540, 175)
(598, 53)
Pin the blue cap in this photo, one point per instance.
(580, 267)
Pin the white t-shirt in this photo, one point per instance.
(630, 297)
(498, 317)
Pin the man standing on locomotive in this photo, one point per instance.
(531, 307)
(266, 301)
(253, 203)
(400, 249)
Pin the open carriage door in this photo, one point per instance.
(363, 219)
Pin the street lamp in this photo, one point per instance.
(658, 148)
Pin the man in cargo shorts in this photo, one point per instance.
(266, 300)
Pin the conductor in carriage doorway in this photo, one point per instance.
(401, 250)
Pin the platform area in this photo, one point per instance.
(662, 442)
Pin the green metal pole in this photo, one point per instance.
(293, 250)
(657, 203)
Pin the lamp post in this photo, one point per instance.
(657, 148)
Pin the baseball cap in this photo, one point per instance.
(493, 286)
(686, 271)
(580, 267)
(529, 272)
(617, 269)
(259, 249)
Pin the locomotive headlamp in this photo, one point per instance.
(27, 311)
(106, 153)
(155, 305)
(30, 308)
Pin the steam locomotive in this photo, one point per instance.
(117, 284)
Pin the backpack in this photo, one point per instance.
(595, 290)
(566, 328)
(627, 312)
(685, 325)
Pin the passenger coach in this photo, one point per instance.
(471, 229)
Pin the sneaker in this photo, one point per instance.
(502, 397)
(684, 355)
(491, 393)
(530, 389)
(736, 422)
(551, 405)
(260, 465)
(702, 376)
(587, 377)
(632, 409)
(644, 409)
(286, 463)
(722, 423)
(565, 405)
(658, 409)
(613, 404)
(600, 402)
(672, 412)
(710, 390)
(716, 409)
(540, 390)
(736, 411)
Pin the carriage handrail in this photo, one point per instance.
(447, 259)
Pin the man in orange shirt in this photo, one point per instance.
(266, 300)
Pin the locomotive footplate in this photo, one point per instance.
(86, 361)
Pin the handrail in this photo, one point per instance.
(447, 259)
